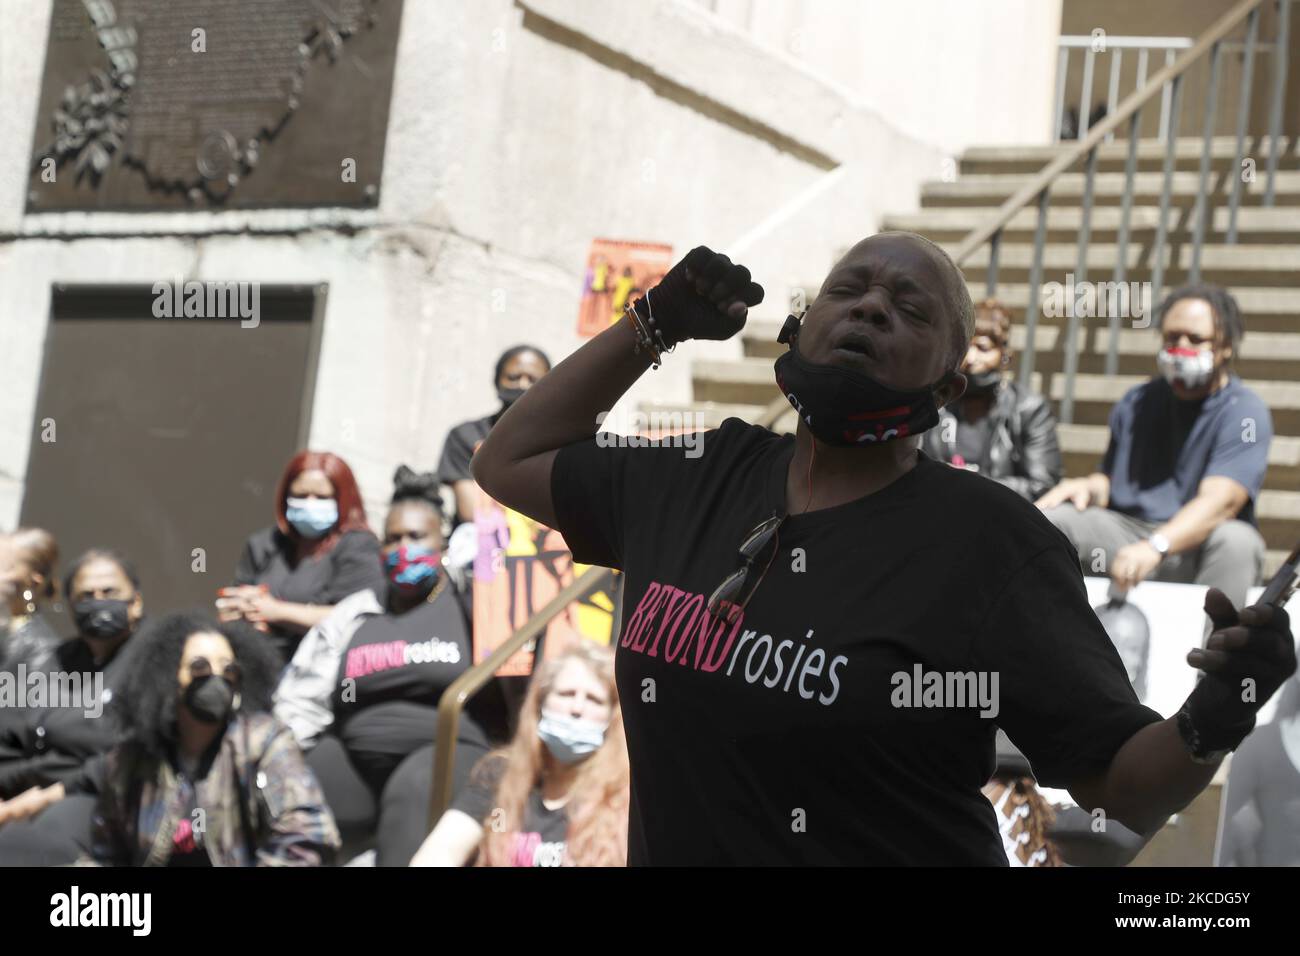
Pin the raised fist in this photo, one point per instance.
(704, 296)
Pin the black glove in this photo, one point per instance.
(1255, 645)
(697, 298)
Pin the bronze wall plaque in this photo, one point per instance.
(204, 104)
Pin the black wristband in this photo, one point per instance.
(1207, 727)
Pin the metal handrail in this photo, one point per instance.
(1166, 83)
(1114, 47)
(982, 233)
(1125, 43)
(453, 700)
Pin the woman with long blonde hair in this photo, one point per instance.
(557, 795)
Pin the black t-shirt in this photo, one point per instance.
(392, 676)
(973, 438)
(353, 564)
(459, 449)
(1161, 448)
(543, 839)
(777, 740)
(412, 657)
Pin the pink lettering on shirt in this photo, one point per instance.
(640, 617)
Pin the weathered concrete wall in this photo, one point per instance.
(952, 75)
(520, 130)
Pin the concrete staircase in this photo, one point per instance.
(1260, 269)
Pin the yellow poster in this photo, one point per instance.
(519, 568)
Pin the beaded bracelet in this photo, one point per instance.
(648, 335)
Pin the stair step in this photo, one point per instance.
(952, 224)
(714, 414)
(1107, 188)
(750, 381)
(1094, 394)
(1278, 396)
(1260, 354)
(1283, 451)
(759, 337)
(1256, 302)
(1113, 155)
(1274, 559)
(1272, 309)
(1226, 265)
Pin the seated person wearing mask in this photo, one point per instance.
(206, 776)
(517, 370)
(362, 692)
(558, 794)
(44, 812)
(319, 551)
(997, 427)
(1174, 498)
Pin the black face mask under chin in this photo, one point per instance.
(850, 408)
(983, 383)
(210, 699)
(509, 396)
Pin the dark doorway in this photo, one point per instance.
(169, 433)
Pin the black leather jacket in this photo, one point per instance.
(1022, 452)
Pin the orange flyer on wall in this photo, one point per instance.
(618, 272)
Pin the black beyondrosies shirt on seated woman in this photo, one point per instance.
(391, 678)
(773, 740)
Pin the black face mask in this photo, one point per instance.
(210, 699)
(509, 396)
(982, 383)
(845, 407)
(102, 619)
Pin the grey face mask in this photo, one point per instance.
(570, 739)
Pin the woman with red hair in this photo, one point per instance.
(558, 794)
(319, 551)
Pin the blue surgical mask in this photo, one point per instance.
(570, 739)
(312, 517)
